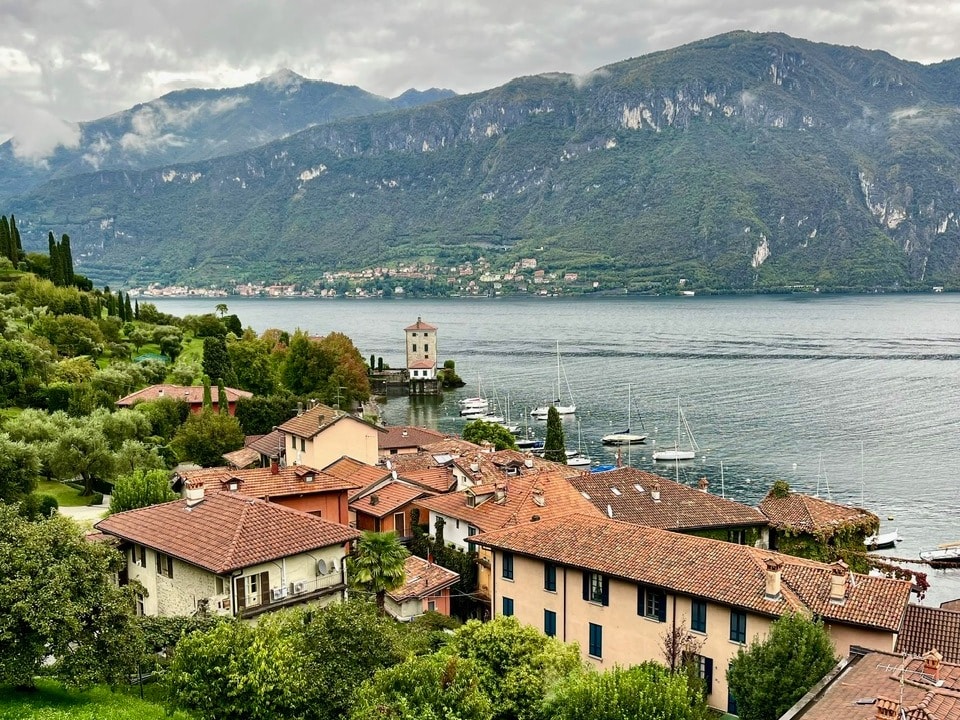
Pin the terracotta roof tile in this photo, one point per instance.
(407, 436)
(390, 497)
(437, 479)
(926, 628)
(192, 394)
(423, 579)
(419, 325)
(543, 493)
(225, 531)
(262, 483)
(242, 458)
(356, 472)
(422, 364)
(627, 492)
(879, 679)
(312, 422)
(270, 444)
(724, 572)
(809, 514)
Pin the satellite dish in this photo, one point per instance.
(321, 567)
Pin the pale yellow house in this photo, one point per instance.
(229, 553)
(319, 436)
(619, 589)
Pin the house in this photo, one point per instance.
(320, 435)
(190, 394)
(522, 498)
(300, 487)
(876, 685)
(642, 498)
(386, 506)
(406, 439)
(928, 627)
(796, 519)
(617, 589)
(421, 350)
(427, 589)
(269, 447)
(229, 553)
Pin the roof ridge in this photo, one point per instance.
(237, 531)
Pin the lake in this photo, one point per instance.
(854, 396)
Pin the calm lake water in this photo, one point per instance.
(854, 395)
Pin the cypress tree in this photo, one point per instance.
(66, 259)
(56, 269)
(554, 445)
(136, 309)
(223, 405)
(128, 313)
(6, 241)
(15, 234)
(120, 306)
(207, 395)
(85, 308)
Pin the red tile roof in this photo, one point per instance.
(879, 679)
(390, 497)
(312, 422)
(925, 628)
(225, 531)
(242, 458)
(627, 493)
(270, 444)
(422, 364)
(423, 580)
(356, 472)
(419, 325)
(810, 514)
(543, 494)
(407, 436)
(724, 572)
(262, 483)
(438, 479)
(192, 394)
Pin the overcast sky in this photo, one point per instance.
(63, 61)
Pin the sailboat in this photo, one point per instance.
(541, 412)
(474, 405)
(578, 459)
(680, 452)
(625, 437)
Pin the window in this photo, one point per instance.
(698, 615)
(549, 623)
(164, 565)
(737, 536)
(471, 530)
(414, 347)
(704, 666)
(596, 588)
(139, 607)
(651, 603)
(293, 443)
(220, 585)
(508, 566)
(138, 555)
(507, 607)
(431, 605)
(550, 577)
(738, 627)
(426, 347)
(596, 641)
(303, 445)
(252, 590)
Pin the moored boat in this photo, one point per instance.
(883, 541)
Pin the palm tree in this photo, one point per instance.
(377, 564)
(222, 309)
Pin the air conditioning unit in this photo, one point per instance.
(299, 587)
(278, 593)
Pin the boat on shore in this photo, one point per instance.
(681, 450)
(883, 541)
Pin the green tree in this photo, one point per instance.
(377, 564)
(554, 445)
(19, 469)
(206, 436)
(223, 404)
(66, 259)
(207, 395)
(221, 309)
(57, 600)
(56, 267)
(518, 666)
(648, 690)
(480, 431)
(81, 450)
(434, 687)
(216, 360)
(306, 368)
(141, 488)
(258, 415)
(166, 415)
(770, 676)
(250, 357)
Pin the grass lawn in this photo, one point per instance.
(65, 495)
(52, 702)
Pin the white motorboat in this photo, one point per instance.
(625, 437)
(946, 555)
(541, 412)
(883, 541)
(685, 448)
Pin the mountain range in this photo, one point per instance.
(742, 162)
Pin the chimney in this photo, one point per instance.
(538, 497)
(194, 492)
(299, 409)
(403, 433)
(274, 465)
(501, 493)
(703, 483)
(887, 709)
(772, 587)
(655, 492)
(931, 665)
(838, 582)
(528, 463)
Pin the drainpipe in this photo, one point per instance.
(564, 603)
(673, 660)
(493, 585)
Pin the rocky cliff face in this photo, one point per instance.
(742, 161)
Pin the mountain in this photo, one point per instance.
(192, 125)
(744, 161)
